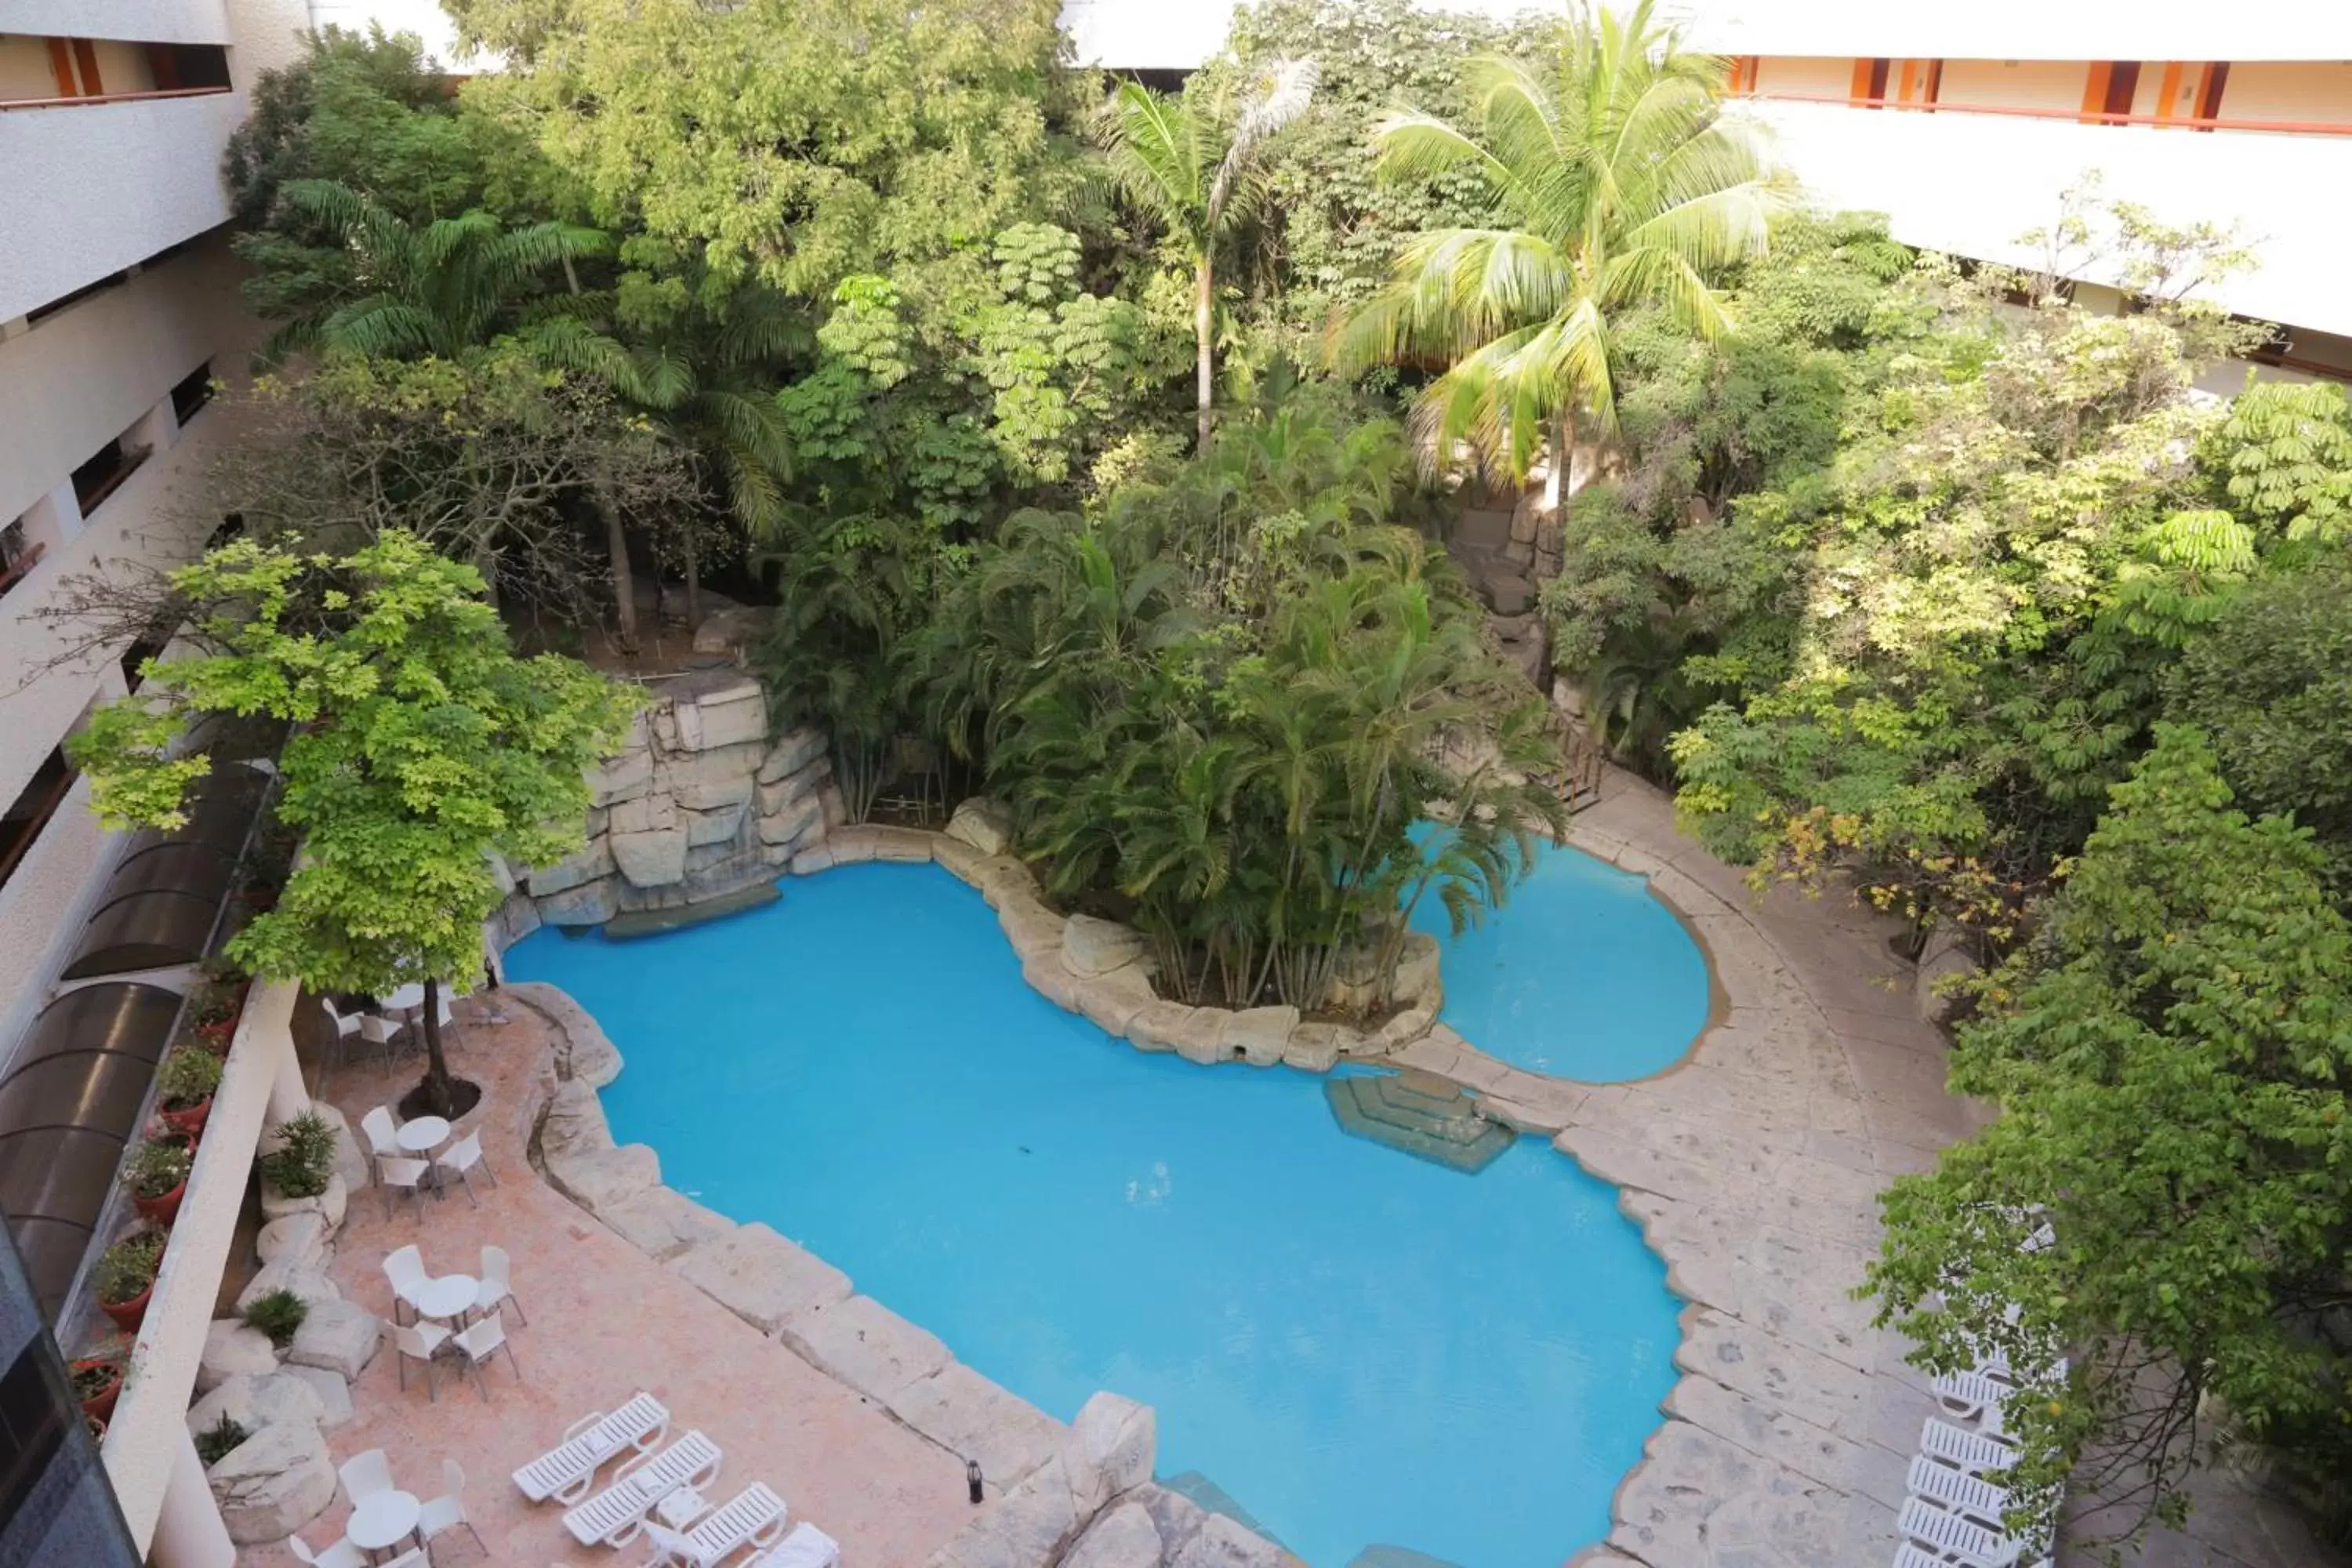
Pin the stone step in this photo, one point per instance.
(1412, 1118)
(654, 922)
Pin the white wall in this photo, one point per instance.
(90, 190)
(143, 21)
(1971, 184)
(2028, 29)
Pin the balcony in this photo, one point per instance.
(94, 185)
(1972, 183)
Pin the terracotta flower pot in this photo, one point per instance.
(102, 1404)
(188, 1123)
(129, 1315)
(161, 1210)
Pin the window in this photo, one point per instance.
(2208, 91)
(19, 555)
(193, 391)
(1743, 74)
(1870, 83)
(151, 644)
(32, 809)
(2108, 91)
(104, 472)
(187, 67)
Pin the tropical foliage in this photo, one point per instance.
(423, 748)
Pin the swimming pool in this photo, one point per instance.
(1583, 974)
(1360, 1348)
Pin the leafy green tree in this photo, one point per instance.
(1194, 164)
(2170, 1056)
(422, 748)
(1620, 188)
(799, 141)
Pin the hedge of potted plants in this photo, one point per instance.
(125, 1278)
(98, 1384)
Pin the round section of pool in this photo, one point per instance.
(1582, 973)
(1358, 1348)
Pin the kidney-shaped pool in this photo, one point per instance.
(1359, 1348)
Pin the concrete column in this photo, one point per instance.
(156, 429)
(54, 518)
(289, 1097)
(188, 1531)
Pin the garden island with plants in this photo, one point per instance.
(1110, 454)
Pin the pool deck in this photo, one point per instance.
(605, 1321)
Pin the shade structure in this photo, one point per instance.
(69, 1102)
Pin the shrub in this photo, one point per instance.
(213, 1445)
(304, 1159)
(278, 1315)
(126, 1268)
(156, 1167)
(94, 1377)
(187, 1078)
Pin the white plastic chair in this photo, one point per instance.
(463, 1158)
(1954, 1537)
(399, 1175)
(341, 1555)
(447, 1511)
(403, 1267)
(346, 1025)
(1977, 1453)
(753, 1517)
(1957, 1492)
(364, 1475)
(379, 1032)
(568, 1470)
(498, 1284)
(383, 1134)
(480, 1342)
(418, 1342)
(805, 1546)
(616, 1514)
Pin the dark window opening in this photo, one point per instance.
(65, 301)
(193, 392)
(2209, 92)
(183, 67)
(19, 553)
(150, 644)
(32, 809)
(2123, 85)
(103, 474)
(1934, 89)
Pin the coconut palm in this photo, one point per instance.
(1192, 166)
(1618, 189)
(439, 289)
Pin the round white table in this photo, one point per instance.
(449, 1296)
(407, 999)
(423, 1135)
(383, 1520)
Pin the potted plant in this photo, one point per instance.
(217, 1006)
(184, 1085)
(304, 1160)
(98, 1382)
(157, 1176)
(126, 1278)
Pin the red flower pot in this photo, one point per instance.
(188, 1123)
(102, 1404)
(161, 1210)
(129, 1315)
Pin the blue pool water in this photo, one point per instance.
(1582, 973)
(1359, 1347)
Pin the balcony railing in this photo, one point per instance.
(8, 104)
(2072, 116)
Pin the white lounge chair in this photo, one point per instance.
(753, 1517)
(805, 1547)
(1974, 1396)
(568, 1470)
(1977, 1453)
(1971, 1497)
(1954, 1539)
(615, 1515)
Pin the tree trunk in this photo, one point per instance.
(693, 583)
(1204, 301)
(625, 587)
(437, 1095)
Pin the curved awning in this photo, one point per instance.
(189, 866)
(143, 931)
(220, 808)
(69, 1102)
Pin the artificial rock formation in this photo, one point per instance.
(698, 803)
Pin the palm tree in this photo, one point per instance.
(1618, 188)
(1195, 171)
(451, 285)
